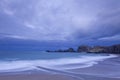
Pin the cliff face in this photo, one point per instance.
(98, 49)
(114, 49)
(83, 49)
(108, 49)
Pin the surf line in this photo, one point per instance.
(61, 72)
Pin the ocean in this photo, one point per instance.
(68, 63)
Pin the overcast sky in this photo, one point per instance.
(77, 21)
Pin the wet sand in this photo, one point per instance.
(51, 77)
(107, 68)
(35, 77)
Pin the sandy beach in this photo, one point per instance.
(51, 77)
(100, 71)
(36, 77)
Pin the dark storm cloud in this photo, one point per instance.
(107, 25)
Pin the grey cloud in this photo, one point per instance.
(79, 20)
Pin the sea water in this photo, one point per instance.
(19, 61)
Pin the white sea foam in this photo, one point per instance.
(58, 64)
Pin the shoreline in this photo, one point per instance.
(101, 71)
(76, 74)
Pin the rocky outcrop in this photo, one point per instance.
(96, 49)
(83, 49)
(66, 50)
(114, 49)
(106, 49)
(69, 50)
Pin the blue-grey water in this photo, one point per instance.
(18, 61)
(34, 55)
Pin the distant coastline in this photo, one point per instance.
(115, 49)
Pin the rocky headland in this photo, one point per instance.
(95, 49)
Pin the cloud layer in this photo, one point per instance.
(61, 20)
